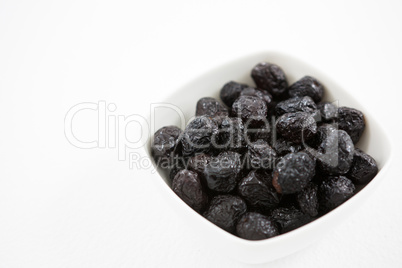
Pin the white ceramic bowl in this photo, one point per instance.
(374, 141)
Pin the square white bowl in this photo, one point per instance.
(374, 141)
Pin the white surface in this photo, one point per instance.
(61, 206)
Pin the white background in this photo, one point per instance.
(61, 206)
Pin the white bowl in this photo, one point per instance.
(374, 141)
